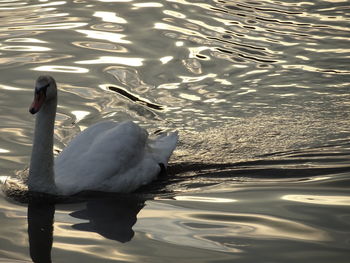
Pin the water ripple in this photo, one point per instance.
(102, 46)
(258, 91)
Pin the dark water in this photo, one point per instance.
(259, 92)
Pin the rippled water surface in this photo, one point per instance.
(259, 92)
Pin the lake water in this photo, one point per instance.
(259, 92)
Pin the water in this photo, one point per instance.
(259, 92)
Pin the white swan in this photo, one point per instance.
(108, 156)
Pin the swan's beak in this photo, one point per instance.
(39, 99)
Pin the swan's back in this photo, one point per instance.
(111, 156)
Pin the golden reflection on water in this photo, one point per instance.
(86, 243)
(25, 48)
(315, 69)
(14, 244)
(166, 59)
(110, 17)
(7, 87)
(341, 200)
(103, 46)
(102, 35)
(65, 69)
(26, 40)
(184, 223)
(331, 50)
(163, 26)
(135, 62)
(31, 58)
(189, 79)
(52, 26)
(115, 1)
(205, 199)
(149, 4)
(189, 97)
(4, 150)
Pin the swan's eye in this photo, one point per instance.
(41, 89)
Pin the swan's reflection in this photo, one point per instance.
(112, 217)
(41, 212)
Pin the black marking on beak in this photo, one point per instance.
(39, 98)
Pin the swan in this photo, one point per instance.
(107, 156)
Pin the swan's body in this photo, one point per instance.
(108, 156)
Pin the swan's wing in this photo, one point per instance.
(163, 146)
(146, 167)
(98, 153)
(82, 141)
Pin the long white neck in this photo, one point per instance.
(41, 172)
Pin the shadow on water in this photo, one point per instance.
(40, 227)
(110, 215)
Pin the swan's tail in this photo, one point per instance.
(163, 146)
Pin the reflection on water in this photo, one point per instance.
(65, 69)
(320, 199)
(238, 226)
(258, 91)
(40, 229)
(111, 217)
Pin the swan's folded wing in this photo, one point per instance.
(99, 153)
(82, 141)
(163, 146)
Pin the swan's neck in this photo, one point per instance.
(41, 172)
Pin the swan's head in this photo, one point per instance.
(45, 90)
